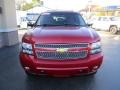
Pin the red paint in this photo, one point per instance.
(61, 34)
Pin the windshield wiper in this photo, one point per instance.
(59, 25)
(44, 25)
(67, 24)
(47, 25)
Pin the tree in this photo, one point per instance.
(27, 6)
(23, 5)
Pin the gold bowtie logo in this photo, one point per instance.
(62, 50)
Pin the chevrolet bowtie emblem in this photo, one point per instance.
(62, 50)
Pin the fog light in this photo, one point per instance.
(27, 68)
(95, 67)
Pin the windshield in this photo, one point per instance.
(60, 19)
(115, 18)
(32, 17)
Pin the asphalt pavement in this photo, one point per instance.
(12, 76)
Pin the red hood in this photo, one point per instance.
(60, 34)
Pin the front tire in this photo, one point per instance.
(113, 29)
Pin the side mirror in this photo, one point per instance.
(30, 24)
(89, 24)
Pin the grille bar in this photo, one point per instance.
(61, 45)
(63, 55)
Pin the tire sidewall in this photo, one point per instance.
(113, 30)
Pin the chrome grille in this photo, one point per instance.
(61, 45)
(62, 55)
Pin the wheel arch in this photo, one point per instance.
(112, 26)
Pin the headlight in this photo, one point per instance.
(95, 48)
(27, 48)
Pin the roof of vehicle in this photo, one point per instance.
(61, 11)
(97, 17)
(103, 16)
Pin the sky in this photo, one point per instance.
(76, 4)
(65, 4)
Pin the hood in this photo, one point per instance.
(63, 34)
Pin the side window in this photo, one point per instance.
(100, 19)
(105, 19)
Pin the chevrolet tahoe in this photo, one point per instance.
(61, 44)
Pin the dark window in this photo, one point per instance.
(61, 19)
(32, 17)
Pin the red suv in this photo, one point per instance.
(61, 44)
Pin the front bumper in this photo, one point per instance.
(61, 67)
